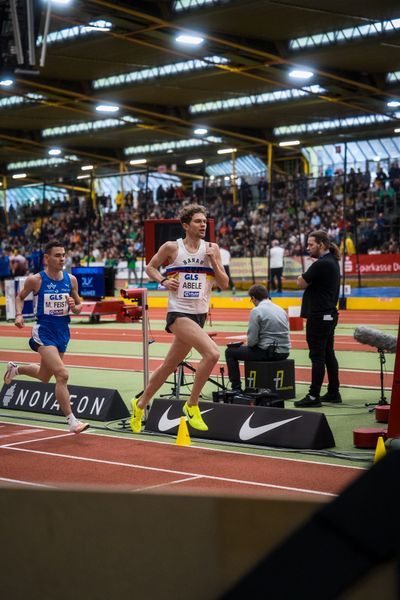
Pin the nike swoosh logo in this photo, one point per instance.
(248, 433)
(165, 423)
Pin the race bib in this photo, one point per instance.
(55, 305)
(192, 285)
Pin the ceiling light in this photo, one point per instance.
(83, 176)
(193, 161)
(169, 151)
(377, 158)
(226, 151)
(86, 167)
(19, 176)
(110, 108)
(289, 143)
(193, 40)
(138, 161)
(98, 26)
(6, 81)
(54, 151)
(201, 131)
(397, 130)
(62, 2)
(393, 103)
(301, 74)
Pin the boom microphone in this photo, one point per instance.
(383, 341)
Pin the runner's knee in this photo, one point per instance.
(61, 375)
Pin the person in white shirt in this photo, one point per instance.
(226, 261)
(276, 266)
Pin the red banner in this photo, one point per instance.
(373, 264)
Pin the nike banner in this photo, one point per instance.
(259, 425)
(98, 404)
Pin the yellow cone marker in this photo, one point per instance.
(380, 450)
(183, 437)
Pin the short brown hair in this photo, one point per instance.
(187, 212)
(53, 244)
(259, 292)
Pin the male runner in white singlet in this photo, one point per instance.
(193, 266)
(56, 295)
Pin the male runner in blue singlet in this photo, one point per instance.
(56, 295)
(193, 266)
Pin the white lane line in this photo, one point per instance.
(21, 482)
(254, 454)
(43, 439)
(172, 472)
(162, 485)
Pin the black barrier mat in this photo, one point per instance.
(247, 424)
(98, 404)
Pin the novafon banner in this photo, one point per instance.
(97, 404)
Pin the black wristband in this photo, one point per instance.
(162, 280)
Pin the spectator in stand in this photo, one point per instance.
(19, 265)
(276, 265)
(131, 258)
(226, 261)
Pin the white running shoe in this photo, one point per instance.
(79, 427)
(11, 372)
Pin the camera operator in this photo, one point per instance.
(267, 336)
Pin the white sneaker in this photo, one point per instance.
(11, 372)
(79, 427)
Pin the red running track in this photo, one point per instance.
(46, 457)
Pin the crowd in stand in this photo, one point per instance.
(113, 229)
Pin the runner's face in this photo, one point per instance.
(197, 226)
(56, 258)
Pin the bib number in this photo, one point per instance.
(55, 305)
(191, 285)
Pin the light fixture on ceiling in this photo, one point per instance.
(87, 168)
(19, 176)
(200, 131)
(190, 39)
(98, 26)
(289, 143)
(60, 2)
(393, 104)
(138, 161)
(397, 130)
(83, 176)
(226, 150)
(377, 158)
(301, 74)
(6, 81)
(54, 152)
(193, 161)
(107, 108)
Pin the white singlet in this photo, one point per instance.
(195, 275)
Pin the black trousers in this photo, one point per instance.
(320, 339)
(276, 274)
(233, 354)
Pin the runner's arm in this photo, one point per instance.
(74, 301)
(166, 253)
(32, 284)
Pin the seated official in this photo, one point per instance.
(267, 335)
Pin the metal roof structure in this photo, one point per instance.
(67, 59)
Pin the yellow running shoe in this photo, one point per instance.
(137, 416)
(195, 419)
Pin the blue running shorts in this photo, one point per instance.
(43, 335)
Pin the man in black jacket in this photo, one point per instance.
(321, 292)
